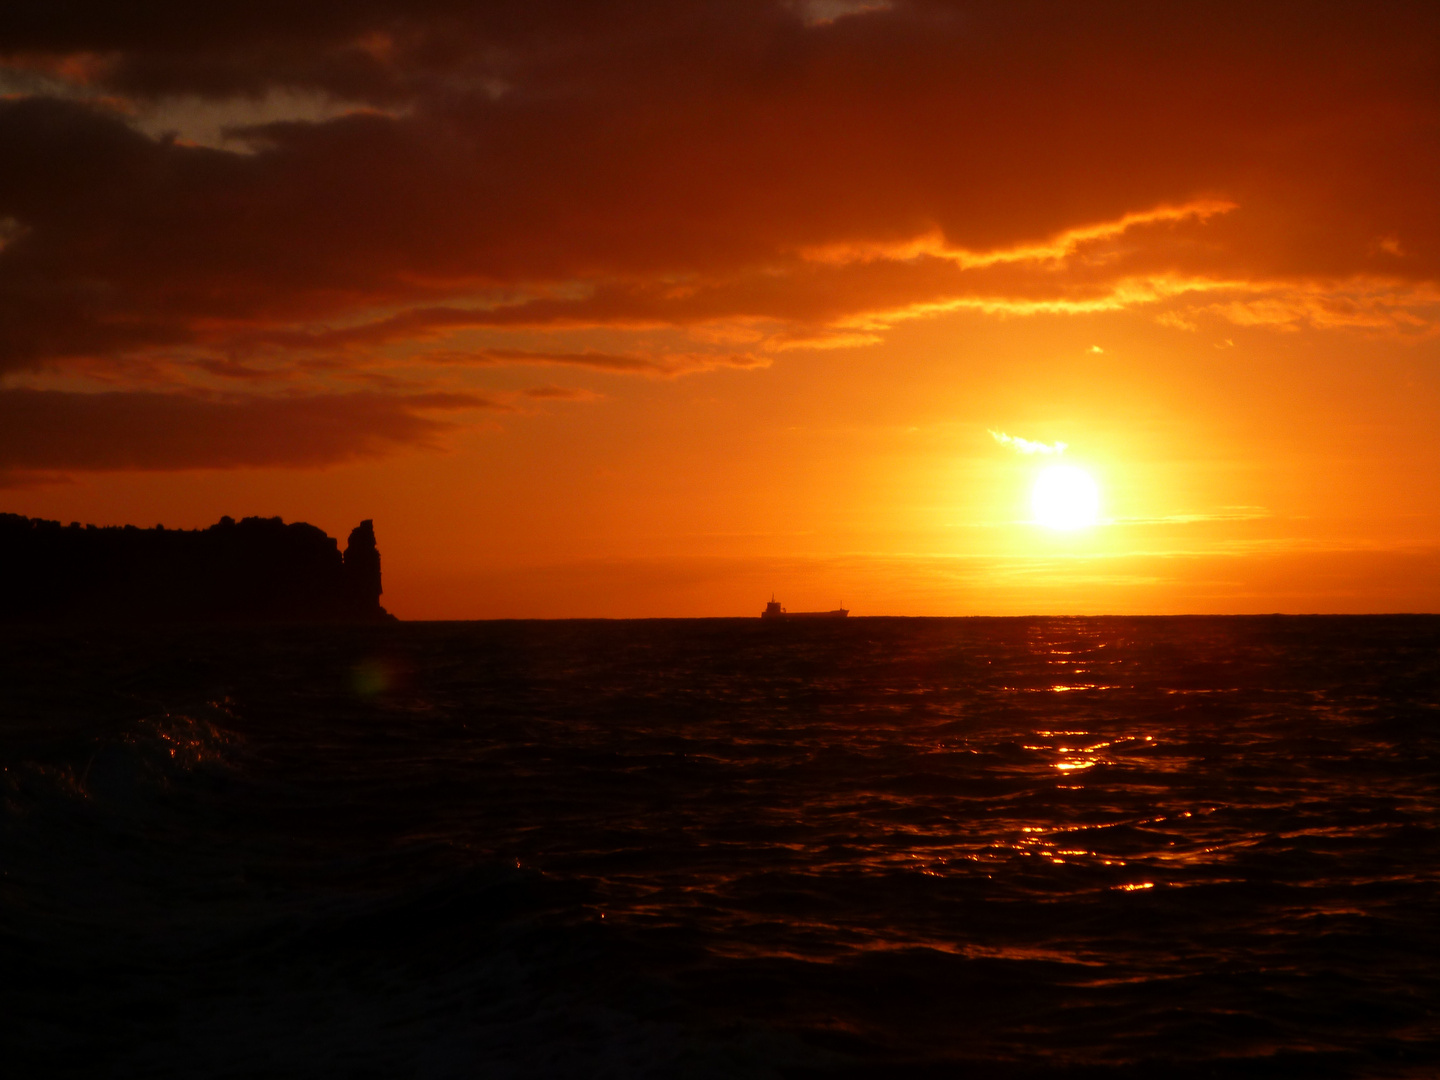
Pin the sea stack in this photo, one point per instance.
(362, 569)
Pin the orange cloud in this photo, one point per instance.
(1056, 248)
(560, 393)
(1027, 446)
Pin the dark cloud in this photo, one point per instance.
(534, 166)
(660, 364)
(49, 432)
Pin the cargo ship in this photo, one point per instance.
(775, 611)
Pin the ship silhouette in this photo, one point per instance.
(774, 611)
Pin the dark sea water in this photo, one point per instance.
(992, 848)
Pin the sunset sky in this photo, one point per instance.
(643, 309)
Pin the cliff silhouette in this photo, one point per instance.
(255, 570)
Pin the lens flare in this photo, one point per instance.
(1065, 497)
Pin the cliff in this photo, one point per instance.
(255, 570)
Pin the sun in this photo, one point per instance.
(1065, 497)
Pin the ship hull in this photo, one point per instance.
(839, 613)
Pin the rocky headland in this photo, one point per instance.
(254, 570)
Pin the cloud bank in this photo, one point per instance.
(319, 194)
(48, 432)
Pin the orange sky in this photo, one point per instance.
(654, 309)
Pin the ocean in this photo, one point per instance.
(986, 848)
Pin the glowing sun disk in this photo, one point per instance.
(1065, 497)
